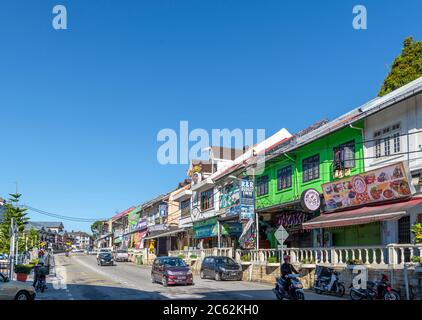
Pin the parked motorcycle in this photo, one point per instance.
(375, 290)
(295, 290)
(327, 281)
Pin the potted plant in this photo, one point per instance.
(245, 259)
(22, 271)
(307, 263)
(193, 257)
(272, 261)
(181, 256)
(353, 262)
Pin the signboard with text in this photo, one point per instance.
(387, 183)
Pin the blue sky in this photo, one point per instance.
(81, 108)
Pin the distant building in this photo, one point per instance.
(50, 232)
(81, 240)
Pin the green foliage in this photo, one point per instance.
(417, 259)
(193, 256)
(272, 259)
(354, 262)
(33, 238)
(23, 268)
(181, 256)
(12, 210)
(406, 67)
(97, 228)
(417, 230)
(307, 261)
(245, 258)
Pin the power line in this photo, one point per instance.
(62, 217)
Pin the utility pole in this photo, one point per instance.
(12, 248)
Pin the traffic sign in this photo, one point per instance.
(281, 234)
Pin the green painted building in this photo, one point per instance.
(300, 166)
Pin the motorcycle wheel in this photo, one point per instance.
(340, 290)
(42, 288)
(392, 295)
(300, 295)
(355, 296)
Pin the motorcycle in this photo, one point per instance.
(375, 290)
(295, 290)
(329, 283)
(41, 284)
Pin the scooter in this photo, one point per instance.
(41, 284)
(329, 284)
(295, 291)
(375, 290)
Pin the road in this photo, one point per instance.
(78, 277)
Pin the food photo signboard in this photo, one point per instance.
(388, 183)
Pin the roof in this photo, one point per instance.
(121, 214)
(226, 153)
(367, 214)
(79, 234)
(369, 108)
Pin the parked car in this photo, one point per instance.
(103, 250)
(221, 268)
(15, 290)
(171, 270)
(105, 259)
(121, 255)
(77, 250)
(4, 258)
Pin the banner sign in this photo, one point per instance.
(232, 228)
(290, 219)
(238, 198)
(248, 237)
(206, 228)
(388, 183)
(142, 224)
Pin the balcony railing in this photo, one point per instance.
(395, 255)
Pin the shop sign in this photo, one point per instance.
(142, 224)
(157, 227)
(310, 200)
(162, 208)
(247, 239)
(206, 228)
(133, 218)
(231, 228)
(290, 219)
(391, 182)
(238, 197)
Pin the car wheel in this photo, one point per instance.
(22, 295)
(164, 282)
(217, 276)
(202, 274)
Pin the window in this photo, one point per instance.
(185, 207)
(377, 148)
(310, 168)
(262, 185)
(207, 200)
(344, 156)
(284, 178)
(396, 138)
(387, 141)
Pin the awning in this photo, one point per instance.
(164, 233)
(362, 215)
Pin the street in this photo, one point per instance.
(78, 277)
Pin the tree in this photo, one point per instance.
(19, 215)
(406, 67)
(97, 228)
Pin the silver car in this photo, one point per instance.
(15, 290)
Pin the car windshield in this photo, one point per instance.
(174, 262)
(225, 260)
(121, 251)
(105, 255)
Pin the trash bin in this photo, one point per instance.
(138, 259)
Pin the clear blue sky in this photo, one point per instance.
(81, 108)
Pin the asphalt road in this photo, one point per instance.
(78, 277)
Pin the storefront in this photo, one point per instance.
(373, 208)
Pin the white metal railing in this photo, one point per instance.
(201, 253)
(377, 256)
